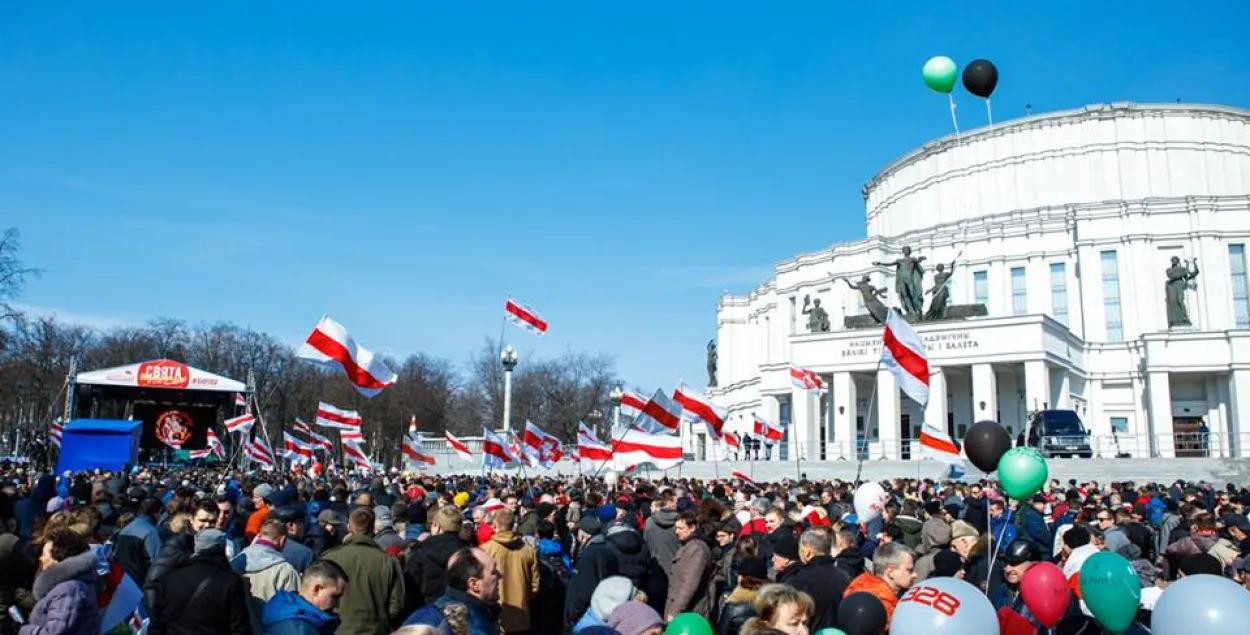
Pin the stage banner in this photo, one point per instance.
(174, 426)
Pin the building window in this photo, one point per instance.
(1241, 293)
(1119, 425)
(1059, 292)
(981, 287)
(1111, 296)
(1019, 292)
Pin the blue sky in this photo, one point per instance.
(404, 166)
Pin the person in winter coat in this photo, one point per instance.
(177, 550)
(1032, 523)
(662, 545)
(518, 566)
(311, 611)
(65, 590)
(819, 577)
(612, 592)
(384, 530)
(632, 558)
(204, 596)
(846, 555)
(975, 509)
(554, 570)
(595, 562)
(375, 591)
(909, 521)
(425, 567)
(1002, 526)
(738, 607)
(893, 571)
(470, 605)
(688, 586)
(264, 568)
(935, 537)
(137, 545)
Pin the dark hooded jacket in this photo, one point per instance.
(822, 579)
(220, 609)
(425, 568)
(633, 560)
(174, 553)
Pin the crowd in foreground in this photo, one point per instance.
(190, 552)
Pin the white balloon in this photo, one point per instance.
(611, 478)
(1206, 604)
(944, 606)
(870, 499)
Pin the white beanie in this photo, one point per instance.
(612, 592)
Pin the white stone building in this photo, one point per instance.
(1062, 225)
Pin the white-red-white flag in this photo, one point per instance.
(242, 423)
(697, 407)
(259, 451)
(330, 417)
(319, 441)
(903, 354)
(414, 451)
(524, 317)
(805, 379)
(731, 441)
(519, 450)
(54, 433)
(301, 427)
(459, 447)
(352, 437)
(532, 442)
(584, 432)
(296, 450)
(199, 454)
(495, 451)
(357, 458)
(766, 432)
(592, 454)
(632, 404)
(240, 400)
(659, 415)
(633, 448)
(214, 444)
(330, 344)
(746, 480)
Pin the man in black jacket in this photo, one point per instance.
(632, 558)
(425, 568)
(975, 510)
(176, 552)
(819, 576)
(204, 597)
(595, 561)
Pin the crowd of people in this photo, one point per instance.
(197, 552)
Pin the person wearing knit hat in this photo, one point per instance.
(208, 541)
(461, 499)
(635, 618)
(608, 594)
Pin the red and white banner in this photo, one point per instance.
(532, 442)
(351, 437)
(808, 380)
(54, 433)
(592, 454)
(414, 451)
(330, 417)
(319, 441)
(661, 450)
(767, 432)
(731, 441)
(659, 415)
(903, 355)
(697, 407)
(524, 317)
(296, 450)
(199, 454)
(357, 458)
(495, 451)
(584, 433)
(746, 480)
(459, 447)
(632, 404)
(240, 400)
(552, 451)
(259, 451)
(330, 344)
(301, 427)
(519, 450)
(214, 444)
(242, 423)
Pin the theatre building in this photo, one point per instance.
(1061, 230)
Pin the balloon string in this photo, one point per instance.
(989, 112)
(954, 119)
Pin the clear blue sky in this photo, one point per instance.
(403, 166)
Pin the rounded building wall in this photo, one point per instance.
(1095, 154)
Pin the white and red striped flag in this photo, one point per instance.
(659, 415)
(301, 427)
(592, 454)
(518, 448)
(525, 317)
(661, 450)
(240, 400)
(214, 444)
(330, 417)
(352, 437)
(414, 451)
(495, 451)
(805, 379)
(242, 423)
(698, 407)
(459, 447)
(330, 344)
(584, 432)
(532, 442)
(319, 441)
(632, 404)
(767, 432)
(199, 454)
(259, 451)
(732, 441)
(746, 480)
(903, 355)
(358, 458)
(55, 431)
(553, 451)
(296, 450)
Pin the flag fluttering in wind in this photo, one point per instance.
(414, 451)
(495, 452)
(259, 451)
(592, 453)
(459, 447)
(697, 407)
(904, 356)
(296, 450)
(330, 417)
(632, 404)
(240, 400)
(321, 442)
(634, 448)
(55, 431)
(330, 344)
(525, 317)
(732, 441)
(302, 427)
(767, 432)
(357, 458)
(214, 444)
(659, 415)
(805, 379)
(352, 437)
(242, 423)
(746, 480)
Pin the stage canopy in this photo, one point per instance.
(160, 373)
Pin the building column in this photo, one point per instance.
(888, 414)
(804, 417)
(844, 412)
(935, 411)
(1159, 400)
(1238, 410)
(1061, 393)
(1036, 387)
(984, 393)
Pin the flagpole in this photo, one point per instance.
(862, 449)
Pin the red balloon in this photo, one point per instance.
(1045, 592)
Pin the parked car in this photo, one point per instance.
(1059, 433)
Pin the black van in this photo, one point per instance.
(1059, 433)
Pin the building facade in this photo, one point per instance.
(1062, 225)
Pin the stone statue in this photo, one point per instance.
(712, 357)
(908, 282)
(940, 292)
(872, 298)
(817, 318)
(1179, 276)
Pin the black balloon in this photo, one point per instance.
(861, 614)
(985, 443)
(980, 78)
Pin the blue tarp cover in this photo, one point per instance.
(108, 444)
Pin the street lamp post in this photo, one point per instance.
(508, 357)
(596, 418)
(616, 396)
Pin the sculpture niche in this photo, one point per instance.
(1179, 278)
(817, 317)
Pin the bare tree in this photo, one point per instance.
(13, 275)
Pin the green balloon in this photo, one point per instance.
(1111, 590)
(831, 631)
(1023, 472)
(689, 624)
(940, 74)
